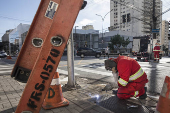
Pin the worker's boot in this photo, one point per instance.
(144, 96)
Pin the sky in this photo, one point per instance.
(14, 12)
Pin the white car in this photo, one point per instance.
(3, 54)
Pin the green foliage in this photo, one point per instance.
(125, 42)
(117, 41)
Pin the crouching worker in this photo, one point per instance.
(131, 77)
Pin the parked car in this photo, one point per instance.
(3, 54)
(88, 52)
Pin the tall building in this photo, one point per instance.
(16, 34)
(134, 16)
(5, 37)
(165, 31)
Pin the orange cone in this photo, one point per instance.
(8, 57)
(54, 97)
(163, 105)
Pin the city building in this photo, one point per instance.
(16, 34)
(103, 41)
(86, 38)
(87, 27)
(5, 37)
(134, 16)
(165, 31)
(5, 41)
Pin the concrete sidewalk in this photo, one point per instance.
(87, 99)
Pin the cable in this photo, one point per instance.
(13, 18)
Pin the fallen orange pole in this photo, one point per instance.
(49, 56)
(34, 40)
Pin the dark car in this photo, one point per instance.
(88, 52)
(3, 54)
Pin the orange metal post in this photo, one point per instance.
(36, 35)
(49, 56)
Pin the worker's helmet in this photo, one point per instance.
(109, 64)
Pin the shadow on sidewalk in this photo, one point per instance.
(156, 80)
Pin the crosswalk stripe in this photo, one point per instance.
(65, 72)
(94, 71)
(9, 66)
(2, 68)
(5, 71)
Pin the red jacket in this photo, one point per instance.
(156, 49)
(129, 71)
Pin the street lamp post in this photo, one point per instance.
(76, 35)
(102, 24)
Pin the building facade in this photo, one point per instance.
(87, 27)
(103, 41)
(165, 31)
(15, 35)
(5, 41)
(86, 38)
(134, 16)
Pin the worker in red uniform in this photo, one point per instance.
(131, 77)
(156, 51)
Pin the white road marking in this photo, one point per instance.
(94, 71)
(65, 72)
(1, 72)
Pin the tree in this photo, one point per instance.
(117, 41)
(125, 42)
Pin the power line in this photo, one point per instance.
(13, 18)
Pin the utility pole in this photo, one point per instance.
(76, 37)
(154, 19)
(102, 25)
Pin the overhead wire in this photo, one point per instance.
(13, 18)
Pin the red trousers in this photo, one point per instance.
(156, 56)
(130, 89)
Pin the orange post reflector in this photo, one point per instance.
(54, 97)
(163, 105)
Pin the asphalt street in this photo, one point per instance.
(93, 68)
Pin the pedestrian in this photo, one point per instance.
(131, 78)
(107, 52)
(156, 51)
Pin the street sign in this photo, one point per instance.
(155, 30)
